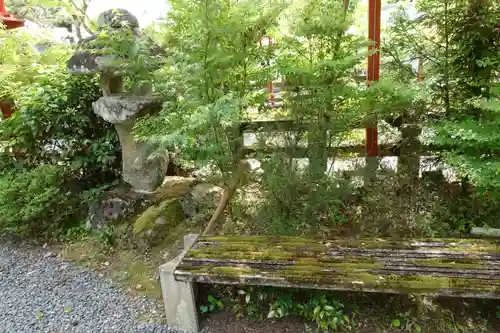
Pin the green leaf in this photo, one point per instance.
(396, 323)
(317, 309)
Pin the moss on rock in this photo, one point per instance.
(155, 223)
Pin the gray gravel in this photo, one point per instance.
(42, 293)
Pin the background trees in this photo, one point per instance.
(212, 75)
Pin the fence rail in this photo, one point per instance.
(272, 126)
(408, 149)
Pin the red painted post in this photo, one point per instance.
(374, 17)
(270, 83)
(8, 20)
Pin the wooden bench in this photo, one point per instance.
(439, 267)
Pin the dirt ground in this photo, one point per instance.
(227, 323)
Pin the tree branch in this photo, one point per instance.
(83, 16)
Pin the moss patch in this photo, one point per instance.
(166, 214)
(474, 245)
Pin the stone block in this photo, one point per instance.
(179, 297)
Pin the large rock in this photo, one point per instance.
(145, 220)
(115, 207)
(155, 223)
(174, 187)
(203, 198)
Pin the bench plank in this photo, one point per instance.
(447, 267)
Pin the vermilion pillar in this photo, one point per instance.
(270, 83)
(8, 20)
(374, 17)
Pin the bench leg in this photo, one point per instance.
(179, 297)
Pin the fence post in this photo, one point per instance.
(317, 149)
(409, 157)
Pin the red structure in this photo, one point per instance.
(6, 108)
(374, 17)
(9, 22)
(270, 83)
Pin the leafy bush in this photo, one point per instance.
(35, 200)
(295, 203)
(325, 311)
(54, 123)
(266, 302)
(54, 148)
(462, 82)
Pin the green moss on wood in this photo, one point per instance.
(352, 279)
(456, 263)
(460, 245)
(349, 263)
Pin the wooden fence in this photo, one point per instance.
(408, 149)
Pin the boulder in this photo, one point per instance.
(114, 207)
(154, 224)
(204, 197)
(174, 187)
(142, 220)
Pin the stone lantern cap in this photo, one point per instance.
(85, 61)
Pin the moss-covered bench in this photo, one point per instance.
(441, 267)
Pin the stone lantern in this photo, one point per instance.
(140, 169)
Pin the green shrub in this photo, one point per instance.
(326, 312)
(295, 203)
(36, 200)
(54, 123)
(317, 307)
(55, 150)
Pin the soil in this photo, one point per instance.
(227, 323)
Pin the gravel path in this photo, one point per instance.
(42, 293)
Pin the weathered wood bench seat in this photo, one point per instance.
(441, 267)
